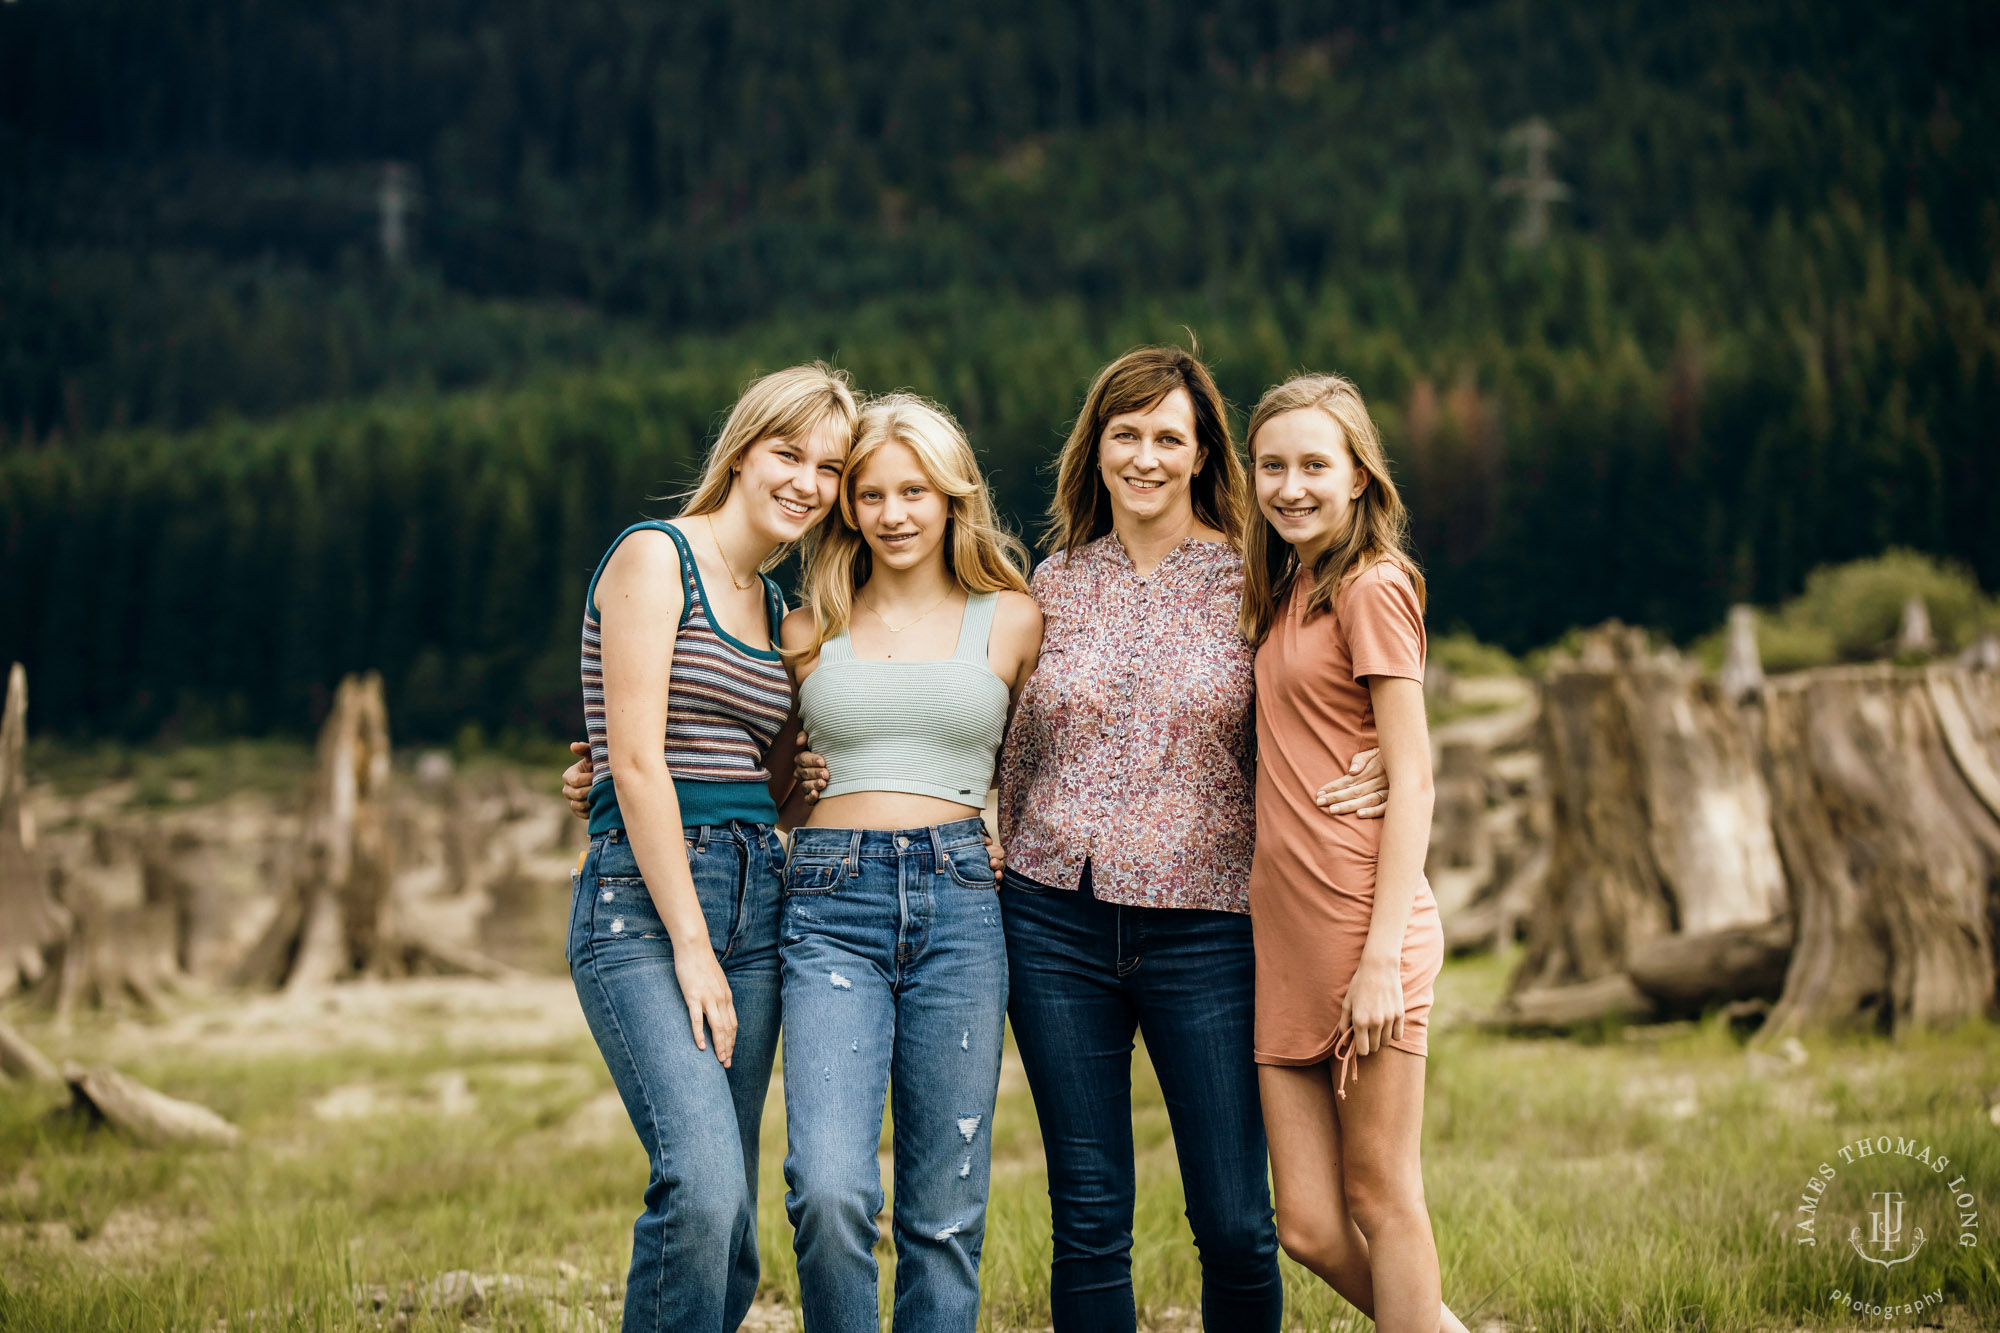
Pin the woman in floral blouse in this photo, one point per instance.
(1126, 810)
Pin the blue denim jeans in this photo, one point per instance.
(1084, 975)
(895, 976)
(694, 1249)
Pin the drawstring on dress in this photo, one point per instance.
(1343, 1055)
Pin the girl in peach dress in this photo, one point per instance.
(1347, 935)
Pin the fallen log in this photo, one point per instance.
(1602, 999)
(150, 1117)
(19, 1058)
(1685, 974)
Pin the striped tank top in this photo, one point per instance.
(725, 704)
(925, 728)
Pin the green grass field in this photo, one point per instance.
(1640, 1179)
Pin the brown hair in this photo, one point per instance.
(981, 554)
(1081, 511)
(1377, 527)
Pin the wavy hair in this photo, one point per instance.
(1377, 528)
(980, 553)
(1081, 511)
(786, 404)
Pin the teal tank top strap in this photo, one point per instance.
(690, 587)
(774, 603)
(975, 630)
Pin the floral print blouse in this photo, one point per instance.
(1134, 743)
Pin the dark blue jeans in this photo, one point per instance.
(1083, 976)
(694, 1249)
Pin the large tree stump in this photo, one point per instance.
(1886, 801)
(1661, 818)
(31, 920)
(339, 918)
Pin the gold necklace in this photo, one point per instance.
(893, 629)
(727, 567)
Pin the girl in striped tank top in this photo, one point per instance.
(919, 633)
(674, 947)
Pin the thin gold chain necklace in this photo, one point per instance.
(893, 629)
(727, 567)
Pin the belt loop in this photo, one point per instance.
(701, 838)
(854, 854)
(938, 858)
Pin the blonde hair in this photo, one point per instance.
(1080, 511)
(981, 554)
(1377, 527)
(787, 404)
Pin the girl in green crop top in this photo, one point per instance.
(918, 633)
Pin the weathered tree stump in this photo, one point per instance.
(339, 919)
(1661, 820)
(1832, 843)
(31, 920)
(1886, 801)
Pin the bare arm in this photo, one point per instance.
(1375, 996)
(789, 760)
(639, 600)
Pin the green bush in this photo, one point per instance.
(1464, 655)
(1853, 612)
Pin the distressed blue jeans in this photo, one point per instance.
(1084, 976)
(694, 1249)
(895, 973)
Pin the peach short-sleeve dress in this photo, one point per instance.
(1312, 877)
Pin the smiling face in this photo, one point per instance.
(901, 513)
(1306, 479)
(787, 485)
(1148, 460)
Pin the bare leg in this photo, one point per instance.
(1314, 1188)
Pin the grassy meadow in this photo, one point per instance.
(394, 1133)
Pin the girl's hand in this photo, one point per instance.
(1363, 790)
(1374, 1003)
(706, 991)
(996, 854)
(576, 780)
(810, 770)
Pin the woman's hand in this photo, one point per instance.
(706, 991)
(811, 771)
(996, 854)
(1374, 1003)
(1363, 790)
(576, 780)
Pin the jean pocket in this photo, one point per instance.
(809, 878)
(970, 867)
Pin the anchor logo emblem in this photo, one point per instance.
(1885, 1231)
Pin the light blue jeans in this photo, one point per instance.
(694, 1249)
(895, 972)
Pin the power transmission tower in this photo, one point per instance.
(393, 202)
(1536, 185)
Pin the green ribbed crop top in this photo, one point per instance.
(926, 728)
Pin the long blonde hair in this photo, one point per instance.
(787, 404)
(1377, 527)
(981, 554)
(1080, 511)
